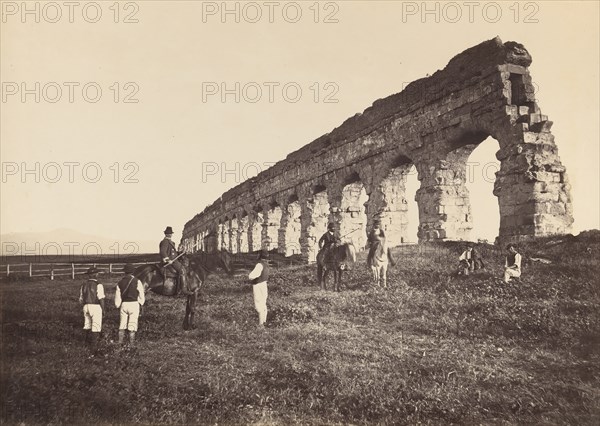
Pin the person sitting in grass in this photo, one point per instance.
(469, 261)
(465, 261)
(512, 266)
(91, 295)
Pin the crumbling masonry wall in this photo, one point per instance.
(434, 124)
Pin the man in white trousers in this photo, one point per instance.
(258, 278)
(91, 295)
(129, 297)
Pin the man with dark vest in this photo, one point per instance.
(258, 278)
(168, 253)
(91, 295)
(512, 265)
(129, 298)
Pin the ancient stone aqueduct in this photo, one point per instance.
(358, 171)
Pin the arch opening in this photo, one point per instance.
(484, 214)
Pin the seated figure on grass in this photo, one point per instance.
(469, 261)
(512, 265)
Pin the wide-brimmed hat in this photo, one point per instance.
(169, 230)
(263, 254)
(128, 268)
(92, 270)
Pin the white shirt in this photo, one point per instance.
(256, 271)
(141, 297)
(466, 255)
(517, 264)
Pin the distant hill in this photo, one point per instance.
(65, 242)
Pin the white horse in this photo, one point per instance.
(378, 260)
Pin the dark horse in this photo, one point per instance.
(197, 266)
(334, 259)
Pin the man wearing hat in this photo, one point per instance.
(258, 278)
(129, 297)
(91, 295)
(328, 239)
(168, 252)
(375, 237)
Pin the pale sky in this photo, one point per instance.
(168, 142)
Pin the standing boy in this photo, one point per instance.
(258, 278)
(129, 297)
(91, 295)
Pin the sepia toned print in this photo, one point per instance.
(299, 212)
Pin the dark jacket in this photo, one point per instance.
(327, 240)
(167, 249)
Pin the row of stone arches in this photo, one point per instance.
(278, 225)
(359, 170)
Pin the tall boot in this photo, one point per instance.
(132, 338)
(94, 342)
(121, 337)
(179, 286)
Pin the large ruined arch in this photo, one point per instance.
(435, 123)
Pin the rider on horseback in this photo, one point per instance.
(168, 253)
(376, 233)
(328, 239)
(376, 237)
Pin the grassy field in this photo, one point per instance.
(432, 348)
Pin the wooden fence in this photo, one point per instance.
(52, 270)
